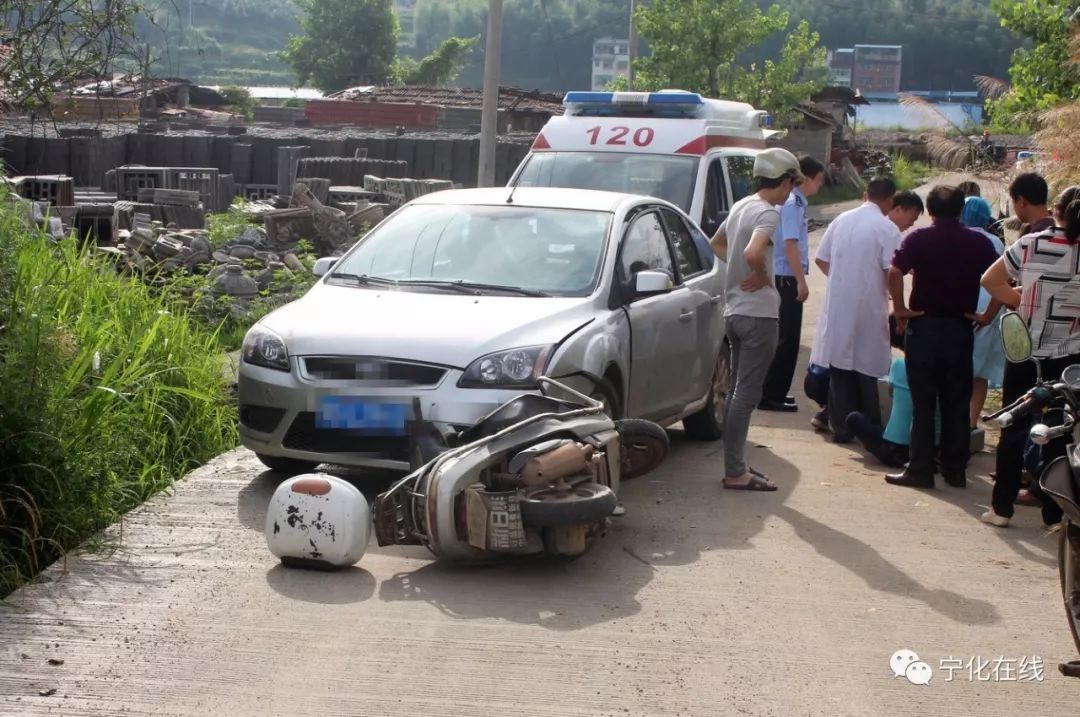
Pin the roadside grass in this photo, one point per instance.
(835, 194)
(908, 174)
(109, 391)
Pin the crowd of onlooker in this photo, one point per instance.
(937, 347)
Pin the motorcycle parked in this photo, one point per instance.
(1060, 479)
(539, 474)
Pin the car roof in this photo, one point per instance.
(555, 197)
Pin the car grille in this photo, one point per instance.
(373, 371)
(261, 418)
(303, 435)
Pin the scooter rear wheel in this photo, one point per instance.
(1069, 572)
(568, 505)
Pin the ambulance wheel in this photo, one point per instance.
(286, 466)
(568, 505)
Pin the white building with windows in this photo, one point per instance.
(610, 59)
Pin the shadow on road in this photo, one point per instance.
(881, 575)
(348, 585)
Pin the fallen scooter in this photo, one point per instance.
(537, 475)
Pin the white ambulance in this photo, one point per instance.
(694, 152)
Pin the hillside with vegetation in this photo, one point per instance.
(220, 41)
(547, 44)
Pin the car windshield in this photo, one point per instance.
(526, 250)
(655, 175)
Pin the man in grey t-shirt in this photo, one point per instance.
(745, 242)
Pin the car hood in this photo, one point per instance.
(437, 327)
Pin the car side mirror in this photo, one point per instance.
(324, 265)
(648, 283)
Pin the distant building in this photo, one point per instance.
(841, 63)
(873, 70)
(877, 69)
(611, 59)
(406, 15)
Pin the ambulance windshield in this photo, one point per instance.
(655, 175)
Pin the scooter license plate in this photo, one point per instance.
(362, 414)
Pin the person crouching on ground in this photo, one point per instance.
(852, 332)
(745, 242)
(947, 260)
(889, 443)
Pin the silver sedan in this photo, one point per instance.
(462, 299)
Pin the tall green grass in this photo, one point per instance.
(907, 174)
(108, 393)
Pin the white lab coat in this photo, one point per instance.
(853, 330)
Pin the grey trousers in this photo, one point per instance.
(753, 345)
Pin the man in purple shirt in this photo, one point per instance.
(948, 261)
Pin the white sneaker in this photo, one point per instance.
(992, 518)
(619, 510)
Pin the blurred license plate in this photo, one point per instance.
(361, 414)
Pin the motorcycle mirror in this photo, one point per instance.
(1039, 434)
(1015, 338)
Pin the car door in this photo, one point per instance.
(661, 325)
(717, 201)
(704, 296)
(740, 174)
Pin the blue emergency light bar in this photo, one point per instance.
(632, 98)
(634, 104)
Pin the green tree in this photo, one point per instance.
(53, 44)
(800, 72)
(1042, 75)
(695, 43)
(344, 43)
(702, 45)
(440, 67)
(239, 100)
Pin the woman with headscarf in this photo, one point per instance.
(989, 359)
(1044, 264)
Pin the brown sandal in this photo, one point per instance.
(757, 483)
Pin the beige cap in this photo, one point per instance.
(775, 162)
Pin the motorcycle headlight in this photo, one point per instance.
(516, 368)
(263, 347)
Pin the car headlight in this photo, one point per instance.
(516, 368)
(263, 347)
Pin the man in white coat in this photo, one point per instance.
(852, 336)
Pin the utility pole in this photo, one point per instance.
(489, 118)
(632, 45)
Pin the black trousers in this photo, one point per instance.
(872, 436)
(782, 368)
(938, 353)
(1019, 379)
(851, 392)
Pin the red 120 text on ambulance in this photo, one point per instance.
(643, 137)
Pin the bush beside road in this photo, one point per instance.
(109, 391)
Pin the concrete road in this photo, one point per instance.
(698, 602)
